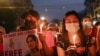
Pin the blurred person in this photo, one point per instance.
(46, 40)
(73, 40)
(88, 27)
(53, 28)
(89, 30)
(32, 43)
(31, 20)
(97, 25)
(2, 32)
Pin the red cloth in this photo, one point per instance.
(1, 47)
(94, 32)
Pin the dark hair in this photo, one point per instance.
(65, 33)
(86, 17)
(31, 12)
(33, 37)
(72, 13)
(97, 24)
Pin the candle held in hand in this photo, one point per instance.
(74, 38)
(41, 26)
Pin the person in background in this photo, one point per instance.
(89, 30)
(73, 40)
(45, 38)
(53, 28)
(97, 25)
(2, 32)
(32, 42)
(88, 27)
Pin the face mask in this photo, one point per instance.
(30, 24)
(87, 24)
(72, 27)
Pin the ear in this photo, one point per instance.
(38, 23)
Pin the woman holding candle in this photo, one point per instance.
(73, 42)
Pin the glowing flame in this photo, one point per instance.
(41, 26)
(74, 38)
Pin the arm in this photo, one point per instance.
(92, 50)
(92, 47)
(60, 51)
(48, 50)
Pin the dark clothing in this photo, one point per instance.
(28, 55)
(62, 43)
(35, 54)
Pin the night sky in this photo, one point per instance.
(55, 9)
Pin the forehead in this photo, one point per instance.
(31, 17)
(29, 38)
(71, 18)
(86, 19)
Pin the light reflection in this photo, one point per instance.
(14, 7)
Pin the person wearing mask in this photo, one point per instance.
(97, 25)
(89, 30)
(45, 38)
(73, 40)
(2, 32)
(88, 27)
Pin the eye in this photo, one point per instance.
(75, 21)
(67, 22)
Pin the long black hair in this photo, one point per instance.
(65, 32)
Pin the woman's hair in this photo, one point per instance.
(87, 17)
(65, 32)
(34, 38)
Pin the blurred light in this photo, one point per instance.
(14, 7)
(42, 18)
(46, 9)
(98, 15)
(63, 7)
(94, 22)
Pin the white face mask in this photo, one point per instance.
(72, 27)
(87, 24)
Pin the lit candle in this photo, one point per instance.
(41, 26)
(74, 38)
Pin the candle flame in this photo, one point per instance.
(41, 26)
(74, 37)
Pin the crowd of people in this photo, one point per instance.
(75, 37)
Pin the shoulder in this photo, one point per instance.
(60, 41)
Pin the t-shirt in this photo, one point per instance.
(1, 49)
(49, 39)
